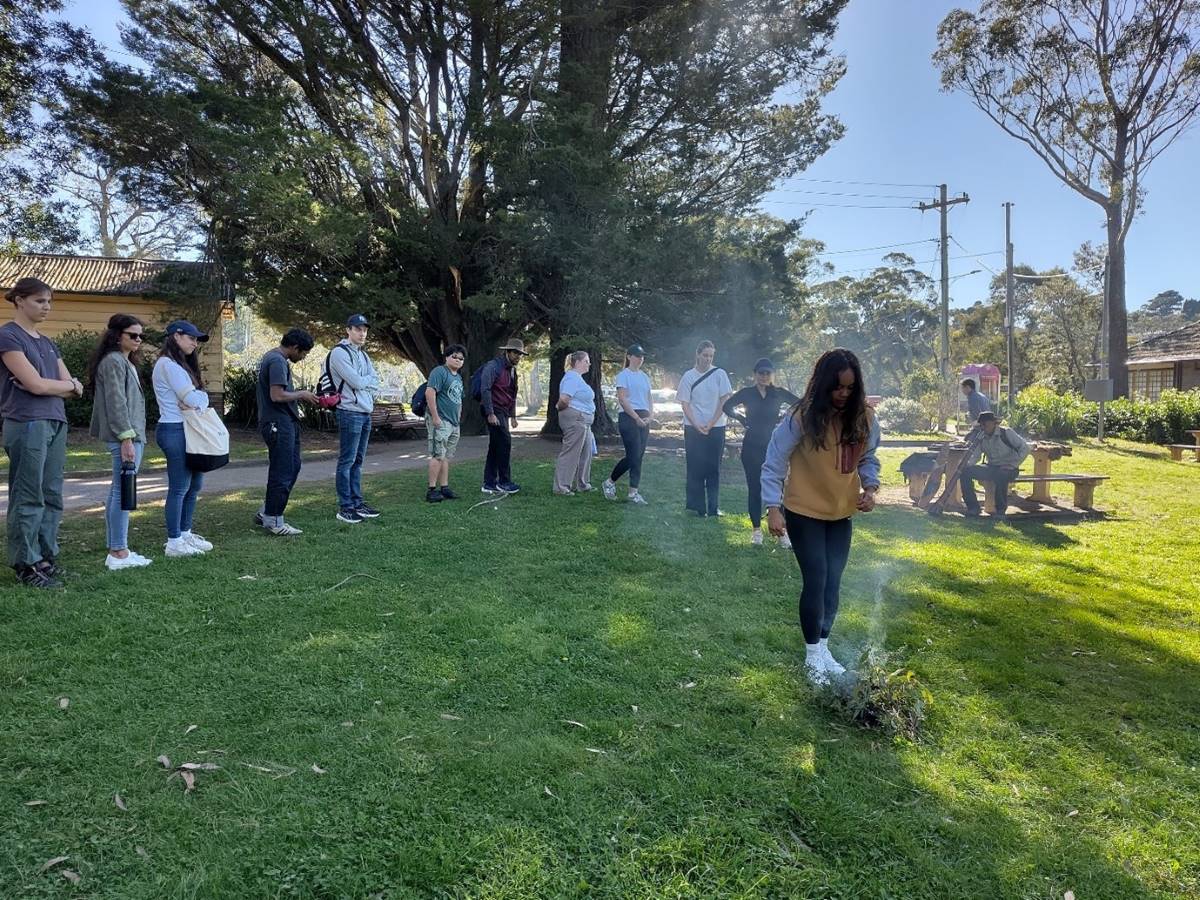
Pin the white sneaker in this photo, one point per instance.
(283, 529)
(815, 667)
(176, 547)
(785, 542)
(609, 489)
(832, 666)
(638, 499)
(132, 561)
(196, 541)
(756, 537)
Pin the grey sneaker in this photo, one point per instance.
(638, 499)
(283, 529)
(609, 489)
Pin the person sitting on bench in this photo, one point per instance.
(1004, 451)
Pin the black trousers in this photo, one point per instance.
(1001, 476)
(822, 549)
(283, 463)
(703, 457)
(754, 454)
(497, 468)
(634, 437)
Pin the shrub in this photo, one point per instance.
(880, 696)
(902, 414)
(241, 397)
(1041, 412)
(1165, 421)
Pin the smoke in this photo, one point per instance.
(873, 649)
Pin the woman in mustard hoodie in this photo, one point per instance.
(825, 453)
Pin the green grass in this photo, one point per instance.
(437, 697)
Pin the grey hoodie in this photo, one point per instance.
(354, 377)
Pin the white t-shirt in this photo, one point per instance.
(705, 399)
(583, 398)
(638, 385)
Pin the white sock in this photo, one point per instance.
(812, 653)
(824, 645)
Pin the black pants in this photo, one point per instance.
(821, 548)
(1001, 476)
(497, 468)
(633, 436)
(704, 452)
(754, 454)
(283, 454)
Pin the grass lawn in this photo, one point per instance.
(564, 697)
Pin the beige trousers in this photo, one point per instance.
(573, 468)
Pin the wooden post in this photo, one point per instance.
(1041, 466)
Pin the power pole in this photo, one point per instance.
(942, 205)
(1008, 301)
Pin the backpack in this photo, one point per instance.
(477, 382)
(328, 394)
(418, 404)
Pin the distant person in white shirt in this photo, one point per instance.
(637, 409)
(576, 412)
(702, 393)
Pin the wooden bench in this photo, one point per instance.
(1177, 450)
(390, 420)
(1085, 488)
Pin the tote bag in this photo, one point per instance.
(206, 440)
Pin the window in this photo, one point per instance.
(1148, 384)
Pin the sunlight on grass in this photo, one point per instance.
(626, 630)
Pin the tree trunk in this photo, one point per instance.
(558, 359)
(1118, 322)
(535, 389)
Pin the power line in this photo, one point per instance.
(847, 194)
(839, 205)
(868, 183)
(976, 257)
(879, 247)
(921, 262)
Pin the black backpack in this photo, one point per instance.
(418, 404)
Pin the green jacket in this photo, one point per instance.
(119, 407)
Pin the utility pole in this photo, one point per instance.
(942, 205)
(1008, 301)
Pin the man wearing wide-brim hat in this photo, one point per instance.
(498, 396)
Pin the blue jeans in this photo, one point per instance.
(183, 485)
(283, 452)
(116, 520)
(354, 430)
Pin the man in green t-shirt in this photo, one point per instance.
(443, 400)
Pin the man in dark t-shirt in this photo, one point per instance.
(279, 424)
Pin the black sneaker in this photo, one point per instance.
(490, 489)
(448, 494)
(51, 568)
(433, 495)
(367, 512)
(258, 520)
(31, 576)
(349, 516)
(508, 487)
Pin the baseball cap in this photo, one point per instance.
(356, 320)
(182, 326)
(764, 365)
(635, 350)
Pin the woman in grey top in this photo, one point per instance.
(119, 419)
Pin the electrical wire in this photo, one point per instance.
(867, 183)
(879, 247)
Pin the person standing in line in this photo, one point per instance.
(443, 408)
(179, 386)
(279, 425)
(354, 376)
(977, 403)
(34, 381)
(498, 396)
(119, 419)
(576, 412)
(702, 393)
(633, 422)
(820, 469)
(760, 403)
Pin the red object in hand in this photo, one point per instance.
(328, 401)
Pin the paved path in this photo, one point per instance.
(88, 494)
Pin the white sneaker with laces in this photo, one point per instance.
(176, 547)
(636, 497)
(756, 537)
(832, 666)
(609, 489)
(283, 529)
(814, 665)
(196, 541)
(143, 560)
(132, 561)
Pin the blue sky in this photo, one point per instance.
(901, 129)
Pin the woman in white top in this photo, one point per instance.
(576, 412)
(178, 386)
(702, 393)
(637, 409)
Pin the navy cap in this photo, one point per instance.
(764, 365)
(356, 320)
(636, 350)
(182, 326)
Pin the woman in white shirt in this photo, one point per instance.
(178, 386)
(637, 408)
(576, 412)
(702, 393)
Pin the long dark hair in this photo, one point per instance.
(110, 342)
(815, 410)
(190, 361)
(27, 287)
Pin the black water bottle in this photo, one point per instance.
(128, 486)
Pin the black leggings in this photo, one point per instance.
(754, 454)
(821, 548)
(633, 436)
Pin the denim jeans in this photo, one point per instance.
(37, 455)
(183, 485)
(116, 520)
(354, 430)
(282, 438)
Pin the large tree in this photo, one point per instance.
(1096, 88)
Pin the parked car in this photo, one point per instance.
(666, 407)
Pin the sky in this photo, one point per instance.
(904, 136)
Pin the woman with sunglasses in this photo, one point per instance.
(179, 386)
(119, 419)
(761, 405)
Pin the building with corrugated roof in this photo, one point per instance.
(1170, 360)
